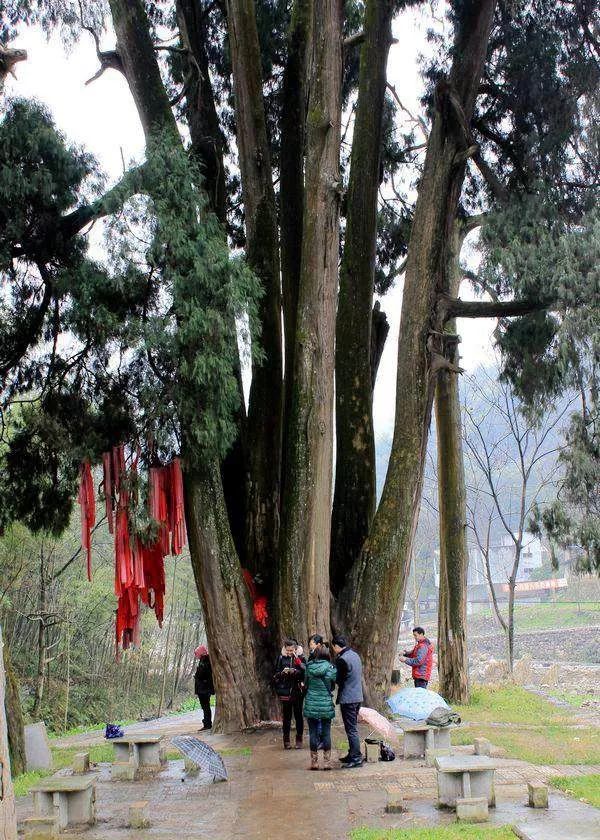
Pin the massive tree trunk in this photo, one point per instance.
(224, 596)
(453, 663)
(291, 192)
(14, 717)
(8, 819)
(354, 497)
(379, 579)
(303, 581)
(265, 409)
(225, 603)
(207, 147)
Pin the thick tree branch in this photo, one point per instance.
(457, 308)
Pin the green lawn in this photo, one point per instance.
(547, 616)
(539, 732)
(510, 704)
(585, 788)
(450, 832)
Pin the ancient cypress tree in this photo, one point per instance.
(184, 378)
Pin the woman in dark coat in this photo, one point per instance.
(203, 684)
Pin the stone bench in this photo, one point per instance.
(464, 777)
(65, 801)
(137, 755)
(420, 736)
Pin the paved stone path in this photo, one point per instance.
(271, 795)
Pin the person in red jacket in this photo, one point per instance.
(420, 658)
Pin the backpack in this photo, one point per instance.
(386, 753)
(113, 730)
(440, 716)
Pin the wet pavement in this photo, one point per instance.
(270, 794)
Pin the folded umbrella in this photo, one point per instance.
(415, 703)
(202, 755)
(378, 723)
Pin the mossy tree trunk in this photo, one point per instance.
(8, 819)
(379, 579)
(265, 408)
(303, 575)
(207, 147)
(291, 192)
(453, 663)
(354, 496)
(14, 717)
(224, 596)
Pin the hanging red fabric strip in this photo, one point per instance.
(87, 501)
(108, 491)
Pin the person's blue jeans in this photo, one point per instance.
(319, 733)
(350, 717)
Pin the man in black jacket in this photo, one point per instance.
(203, 684)
(287, 681)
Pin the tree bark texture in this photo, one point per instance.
(207, 147)
(303, 580)
(265, 408)
(453, 663)
(223, 593)
(225, 603)
(14, 717)
(354, 496)
(291, 191)
(379, 580)
(8, 819)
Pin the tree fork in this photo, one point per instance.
(354, 496)
(303, 572)
(379, 579)
(265, 408)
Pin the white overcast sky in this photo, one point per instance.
(103, 119)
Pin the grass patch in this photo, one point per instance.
(235, 751)
(584, 788)
(552, 744)
(450, 832)
(509, 704)
(63, 757)
(572, 698)
(550, 615)
(22, 784)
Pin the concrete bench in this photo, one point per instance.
(464, 777)
(137, 755)
(65, 800)
(420, 737)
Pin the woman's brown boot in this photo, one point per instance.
(327, 760)
(314, 760)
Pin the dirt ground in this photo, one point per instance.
(271, 794)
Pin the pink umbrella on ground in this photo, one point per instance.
(378, 723)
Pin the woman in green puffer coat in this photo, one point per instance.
(319, 679)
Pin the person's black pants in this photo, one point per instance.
(350, 717)
(292, 707)
(420, 683)
(319, 730)
(206, 710)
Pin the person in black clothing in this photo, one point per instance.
(203, 685)
(287, 681)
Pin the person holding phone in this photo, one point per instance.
(288, 678)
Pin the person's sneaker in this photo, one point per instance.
(287, 745)
(345, 759)
(350, 765)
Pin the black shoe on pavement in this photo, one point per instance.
(350, 765)
(345, 759)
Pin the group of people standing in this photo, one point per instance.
(305, 689)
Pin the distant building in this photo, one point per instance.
(534, 555)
